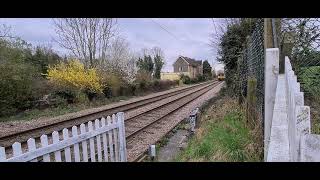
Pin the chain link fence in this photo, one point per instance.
(304, 54)
(251, 66)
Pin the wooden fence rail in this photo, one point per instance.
(102, 140)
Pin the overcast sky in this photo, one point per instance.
(175, 36)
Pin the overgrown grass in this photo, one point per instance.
(310, 82)
(314, 113)
(223, 136)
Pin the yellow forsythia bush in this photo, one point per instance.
(73, 74)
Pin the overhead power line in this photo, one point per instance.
(165, 30)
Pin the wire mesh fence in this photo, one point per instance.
(251, 66)
(305, 59)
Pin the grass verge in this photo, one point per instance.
(223, 136)
(310, 83)
(60, 110)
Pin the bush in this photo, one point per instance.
(68, 94)
(185, 79)
(73, 74)
(74, 80)
(112, 84)
(193, 80)
(165, 84)
(157, 85)
(56, 101)
(201, 78)
(145, 85)
(107, 91)
(176, 82)
(18, 87)
(128, 89)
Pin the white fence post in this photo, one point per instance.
(44, 143)
(110, 140)
(32, 146)
(122, 138)
(76, 145)
(104, 140)
(91, 143)
(98, 138)
(115, 137)
(67, 152)
(16, 147)
(2, 154)
(57, 154)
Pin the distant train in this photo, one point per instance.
(221, 77)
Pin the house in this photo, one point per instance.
(188, 66)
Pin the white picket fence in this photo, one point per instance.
(102, 141)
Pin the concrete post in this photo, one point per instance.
(252, 101)
(286, 49)
(270, 84)
(240, 98)
(193, 119)
(310, 148)
(268, 38)
(303, 127)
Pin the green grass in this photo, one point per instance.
(56, 111)
(310, 79)
(310, 82)
(227, 139)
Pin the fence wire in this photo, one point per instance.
(251, 65)
(305, 59)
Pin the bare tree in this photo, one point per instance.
(220, 26)
(145, 52)
(302, 36)
(5, 32)
(86, 38)
(120, 59)
(157, 51)
(118, 52)
(305, 30)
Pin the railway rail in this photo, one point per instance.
(143, 125)
(146, 112)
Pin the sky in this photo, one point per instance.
(175, 36)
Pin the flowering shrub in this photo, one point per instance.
(73, 75)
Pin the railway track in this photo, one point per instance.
(47, 128)
(141, 126)
(138, 123)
